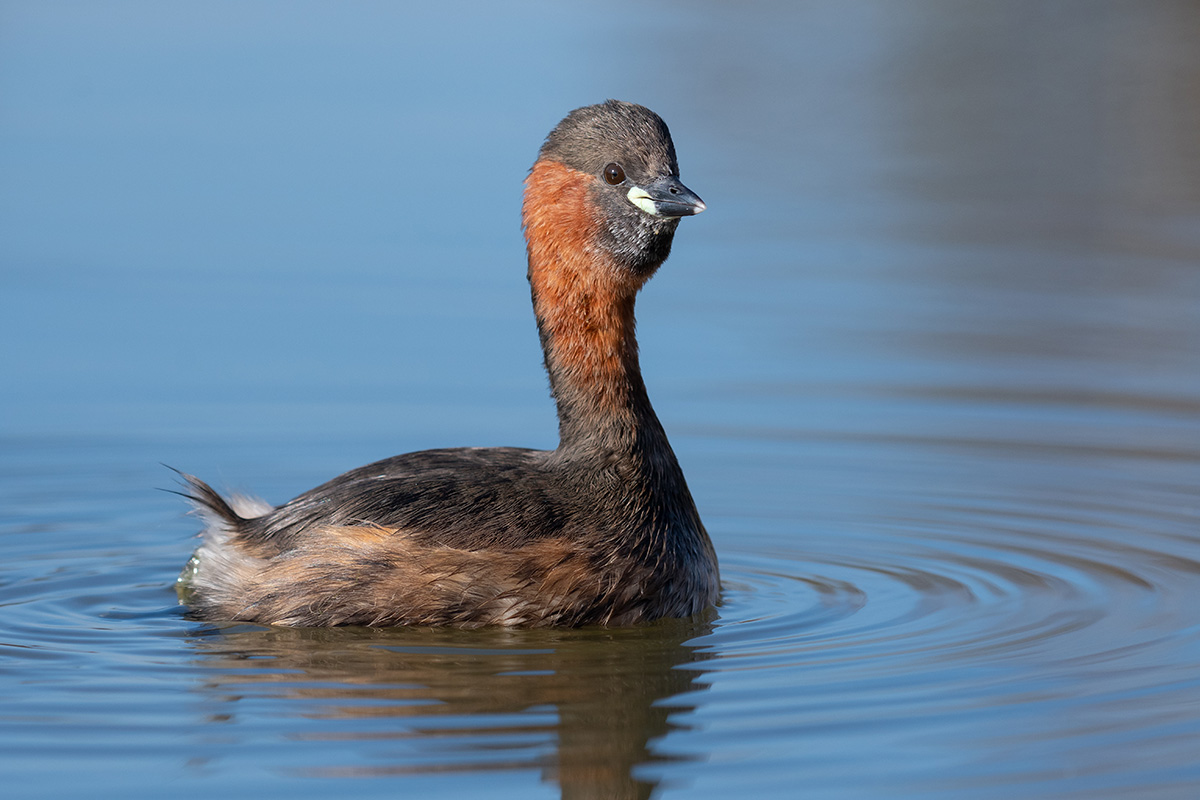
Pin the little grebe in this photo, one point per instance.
(602, 530)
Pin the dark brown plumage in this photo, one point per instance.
(601, 530)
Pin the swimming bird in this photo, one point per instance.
(601, 530)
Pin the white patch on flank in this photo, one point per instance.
(249, 507)
(638, 196)
(217, 568)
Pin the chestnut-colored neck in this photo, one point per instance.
(584, 307)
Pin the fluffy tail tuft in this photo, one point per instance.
(206, 500)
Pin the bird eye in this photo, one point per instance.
(613, 174)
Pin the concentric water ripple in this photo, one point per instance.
(976, 621)
(961, 603)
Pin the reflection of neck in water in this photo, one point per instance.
(597, 694)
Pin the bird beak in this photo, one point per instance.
(666, 197)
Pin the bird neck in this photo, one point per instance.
(584, 304)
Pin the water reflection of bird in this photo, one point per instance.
(601, 530)
(584, 708)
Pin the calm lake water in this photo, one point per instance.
(931, 362)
